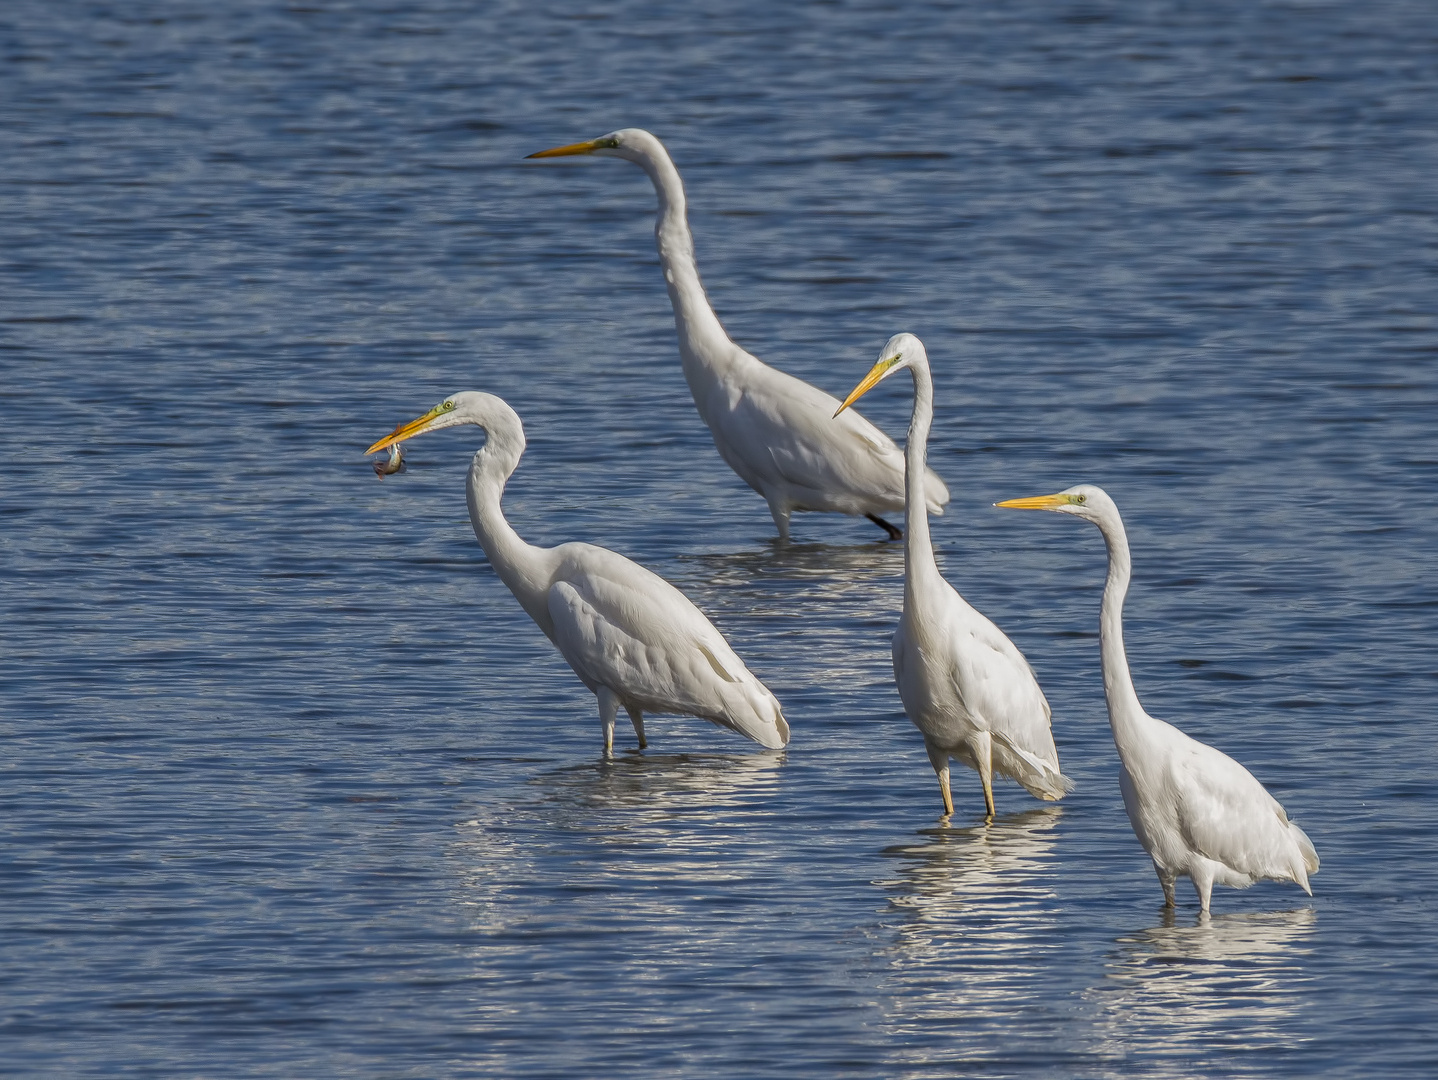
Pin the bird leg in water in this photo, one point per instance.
(780, 513)
(1167, 881)
(638, 717)
(1202, 877)
(608, 710)
(939, 759)
(895, 533)
(984, 755)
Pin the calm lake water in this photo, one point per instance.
(292, 787)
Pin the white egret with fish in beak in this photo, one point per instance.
(632, 638)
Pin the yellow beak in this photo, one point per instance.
(1036, 502)
(407, 431)
(570, 150)
(868, 382)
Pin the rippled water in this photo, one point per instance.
(292, 787)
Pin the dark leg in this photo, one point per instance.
(894, 533)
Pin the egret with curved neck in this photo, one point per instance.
(634, 639)
(964, 684)
(774, 430)
(1198, 813)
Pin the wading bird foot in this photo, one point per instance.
(895, 533)
(637, 716)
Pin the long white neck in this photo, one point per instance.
(921, 573)
(1125, 714)
(526, 570)
(704, 346)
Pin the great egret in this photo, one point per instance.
(774, 430)
(389, 466)
(965, 685)
(631, 637)
(1197, 812)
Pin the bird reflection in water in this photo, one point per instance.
(650, 787)
(828, 591)
(822, 571)
(615, 853)
(1180, 999)
(976, 934)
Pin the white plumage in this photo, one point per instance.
(1198, 813)
(774, 430)
(963, 683)
(634, 639)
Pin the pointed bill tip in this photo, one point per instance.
(385, 443)
(411, 428)
(566, 151)
(868, 382)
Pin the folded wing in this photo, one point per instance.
(1226, 815)
(625, 628)
(1001, 693)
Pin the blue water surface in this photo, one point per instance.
(292, 787)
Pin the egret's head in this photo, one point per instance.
(451, 411)
(1082, 500)
(902, 351)
(631, 144)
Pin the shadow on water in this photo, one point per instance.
(1173, 994)
(976, 925)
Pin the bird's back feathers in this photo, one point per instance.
(626, 628)
(972, 678)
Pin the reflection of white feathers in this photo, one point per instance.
(821, 589)
(774, 430)
(1198, 813)
(1191, 995)
(634, 639)
(956, 873)
(964, 684)
(976, 932)
(646, 820)
(650, 789)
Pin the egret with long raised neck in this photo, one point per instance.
(773, 429)
(964, 684)
(1198, 813)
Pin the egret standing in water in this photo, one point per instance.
(631, 637)
(774, 430)
(965, 685)
(1198, 813)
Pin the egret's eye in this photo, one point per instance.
(609, 144)
(1080, 499)
(447, 406)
